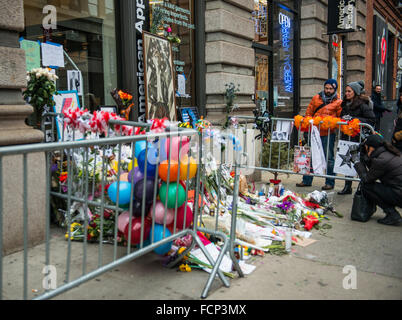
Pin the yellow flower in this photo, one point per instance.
(185, 268)
(66, 236)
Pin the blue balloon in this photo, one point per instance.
(151, 165)
(124, 192)
(158, 236)
(140, 146)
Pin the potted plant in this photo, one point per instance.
(39, 93)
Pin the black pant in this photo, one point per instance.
(382, 195)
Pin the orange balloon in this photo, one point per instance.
(124, 177)
(163, 170)
(184, 165)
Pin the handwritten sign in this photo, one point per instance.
(32, 53)
(52, 55)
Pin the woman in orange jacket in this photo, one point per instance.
(325, 103)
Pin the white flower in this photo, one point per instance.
(38, 75)
(28, 78)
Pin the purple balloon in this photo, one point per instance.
(149, 190)
(136, 176)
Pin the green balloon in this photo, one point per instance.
(171, 198)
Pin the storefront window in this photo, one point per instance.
(86, 30)
(283, 24)
(179, 16)
(260, 17)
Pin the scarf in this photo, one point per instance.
(327, 99)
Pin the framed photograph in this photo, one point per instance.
(282, 131)
(74, 81)
(159, 78)
(66, 100)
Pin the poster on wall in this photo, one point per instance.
(343, 160)
(63, 101)
(341, 16)
(337, 64)
(159, 78)
(302, 160)
(380, 44)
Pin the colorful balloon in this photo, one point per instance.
(137, 208)
(177, 151)
(163, 170)
(124, 192)
(136, 230)
(151, 164)
(185, 164)
(180, 217)
(160, 213)
(171, 195)
(135, 175)
(122, 221)
(158, 236)
(149, 190)
(139, 147)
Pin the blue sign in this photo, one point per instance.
(285, 23)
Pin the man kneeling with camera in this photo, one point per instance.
(379, 160)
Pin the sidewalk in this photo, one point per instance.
(313, 272)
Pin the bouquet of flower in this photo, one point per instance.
(41, 87)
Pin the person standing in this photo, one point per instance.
(325, 103)
(355, 105)
(378, 106)
(381, 161)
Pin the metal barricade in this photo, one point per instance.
(84, 166)
(284, 156)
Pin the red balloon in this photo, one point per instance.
(136, 230)
(180, 217)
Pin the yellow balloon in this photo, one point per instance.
(130, 165)
(184, 164)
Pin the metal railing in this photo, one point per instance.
(77, 160)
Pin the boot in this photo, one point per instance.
(347, 189)
(392, 217)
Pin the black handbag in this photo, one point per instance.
(362, 208)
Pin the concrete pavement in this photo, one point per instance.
(313, 272)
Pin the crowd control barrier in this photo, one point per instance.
(87, 194)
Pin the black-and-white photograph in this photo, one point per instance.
(159, 78)
(282, 131)
(74, 81)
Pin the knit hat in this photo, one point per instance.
(332, 82)
(375, 141)
(357, 87)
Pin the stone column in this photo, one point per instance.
(14, 131)
(314, 52)
(229, 55)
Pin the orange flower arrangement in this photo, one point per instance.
(125, 96)
(351, 129)
(306, 123)
(298, 120)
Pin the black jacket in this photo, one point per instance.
(384, 166)
(377, 104)
(397, 134)
(359, 109)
